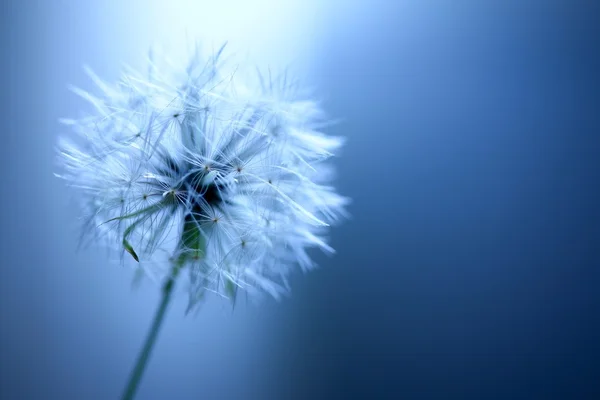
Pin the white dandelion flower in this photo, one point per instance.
(187, 168)
(194, 175)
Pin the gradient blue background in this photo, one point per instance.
(470, 268)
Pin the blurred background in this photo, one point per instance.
(469, 269)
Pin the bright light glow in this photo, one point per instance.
(274, 32)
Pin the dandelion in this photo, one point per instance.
(197, 176)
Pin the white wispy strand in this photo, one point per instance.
(187, 164)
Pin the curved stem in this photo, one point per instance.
(144, 355)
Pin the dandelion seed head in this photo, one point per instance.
(188, 165)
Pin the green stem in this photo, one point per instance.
(191, 240)
(144, 355)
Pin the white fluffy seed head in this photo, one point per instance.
(188, 166)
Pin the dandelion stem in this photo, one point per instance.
(144, 355)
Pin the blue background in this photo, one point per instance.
(469, 269)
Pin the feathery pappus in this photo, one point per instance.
(188, 168)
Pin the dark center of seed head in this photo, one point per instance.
(211, 194)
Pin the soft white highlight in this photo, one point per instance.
(197, 166)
